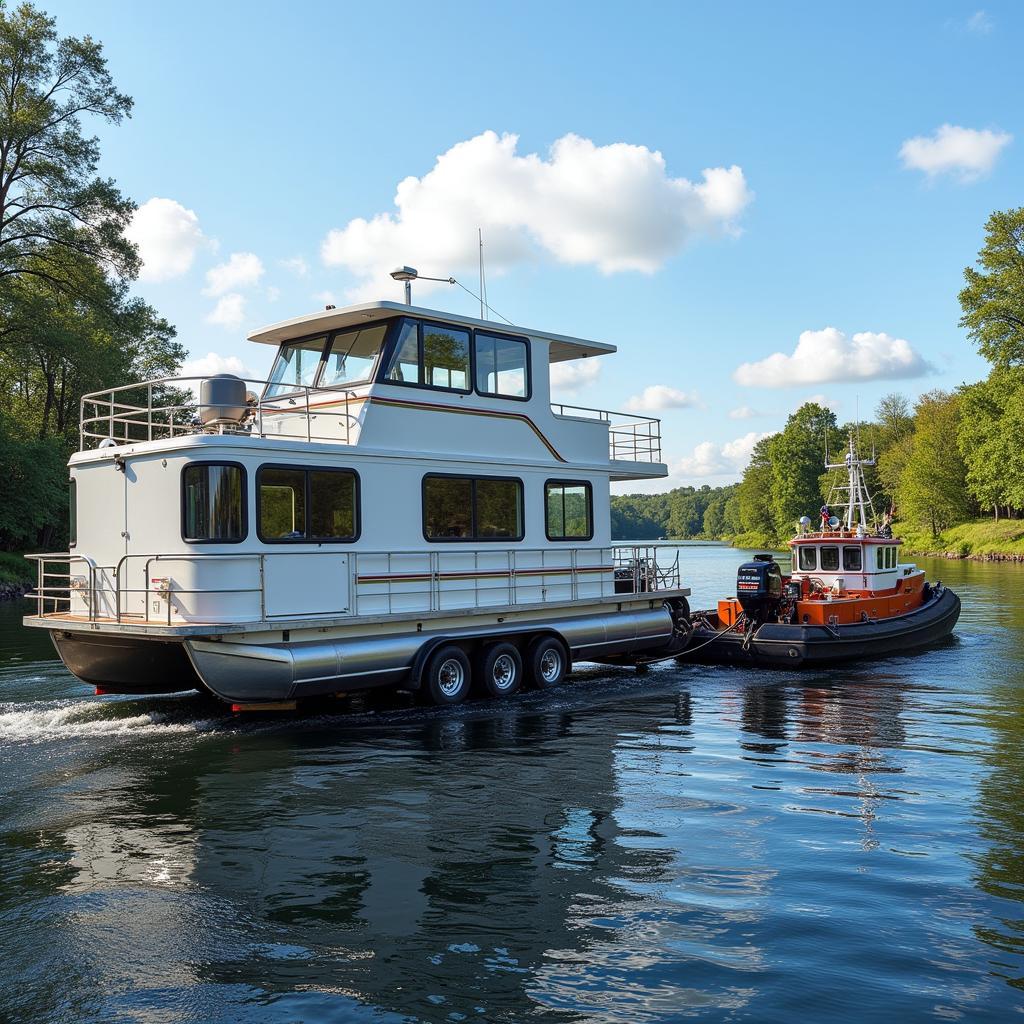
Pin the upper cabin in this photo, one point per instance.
(390, 377)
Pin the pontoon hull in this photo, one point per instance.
(776, 644)
(116, 663)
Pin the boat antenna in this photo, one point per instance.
(409, 274)
(483, 277)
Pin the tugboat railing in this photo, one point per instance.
(518, 575)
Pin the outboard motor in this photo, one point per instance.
(759, 588)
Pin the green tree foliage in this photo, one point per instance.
(54, 209)
(798, 460)
(753, 499)
(993, 298)
(681, 513)
(933, 485)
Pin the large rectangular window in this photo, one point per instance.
(502, 365)
(569, 510)
(430, 356)
(852, 561)
(352, 355)
(472, 508)
(295, 366)
(306, 505)
(830, 559)
(213, 505)
(807, 558)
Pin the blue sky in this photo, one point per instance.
(276, 125)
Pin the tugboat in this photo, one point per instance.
(847, 597)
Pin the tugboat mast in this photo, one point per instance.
(854, 493)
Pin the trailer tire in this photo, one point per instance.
(499, 670)
(448, 676)
(547, 662)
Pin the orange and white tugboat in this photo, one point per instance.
(847, 596)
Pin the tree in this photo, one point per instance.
(798, 464)
(993, 298)
(754, 493)
(933, 484)
(54, 209)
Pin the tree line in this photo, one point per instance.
(944, 459)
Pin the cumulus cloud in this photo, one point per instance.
(823, 400)
(743, 412)
(568, 378)
(229, 311)
(614, 207)
(211, 363)
(715, 460)
(966, 153)
(296, 265)
(658, 397)
(242, 270)
(168, 236)
(828, 355)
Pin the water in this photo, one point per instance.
(696, 842)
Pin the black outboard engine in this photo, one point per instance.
(759, 588)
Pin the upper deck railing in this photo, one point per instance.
(169, 407)
(631, 438)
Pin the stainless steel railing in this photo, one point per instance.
(630, 438)
(380, 582)
(168, 407)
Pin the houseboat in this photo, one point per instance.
(847, 596)
(398, 504)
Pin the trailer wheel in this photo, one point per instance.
(547, 662)
(448, 676)
(499, 670)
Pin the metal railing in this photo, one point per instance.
(168, 407)
(630, 438)
(379, 582)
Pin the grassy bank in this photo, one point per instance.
(982, 538)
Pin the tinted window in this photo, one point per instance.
(73, 513)
(569, 510)
(808, 559)
(830, 559)
(852, 559)
(352, 355)
(431, 355)
(501, 365)
(306, 505)
(295, 367)
(213, 502)
(468, 508)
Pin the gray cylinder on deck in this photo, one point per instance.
(222, 400)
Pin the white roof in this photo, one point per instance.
(561, 346)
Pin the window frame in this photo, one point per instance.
(245, 500)
(860, 558)
(837, 548)
(381, 377)
(473, 538)
(357, 520)
(498, 336)
(559, 482)
(801, 548)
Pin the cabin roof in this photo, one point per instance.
(561, 348)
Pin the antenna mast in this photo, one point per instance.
(855, 490)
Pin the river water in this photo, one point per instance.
(691, 843)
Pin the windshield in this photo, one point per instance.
(352, 355)
(295, 366)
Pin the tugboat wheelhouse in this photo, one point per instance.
(399, 488)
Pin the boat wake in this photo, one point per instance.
(89, 719)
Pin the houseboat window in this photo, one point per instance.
(830, 559)
(569, 510)
(213, 503)
(852, 561)
(887, 557)
(808, 559)
(312, 505)
(432, 356)
(73, 513)
(502, 365)
(352, 355)
(295, 366)
(472, 508)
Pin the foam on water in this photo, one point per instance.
(87, 719)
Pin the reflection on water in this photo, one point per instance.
(693, 842)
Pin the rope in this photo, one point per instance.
(690, 650)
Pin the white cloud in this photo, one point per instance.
(242, 270)
(828, 355)
(211, 363)
(966, 153)
(823, 400)
(168, 236)
(717, 460)
(979, 23)
(743, 412)
(614, 207)
(297, 265)
(660, 396)
(229, 311)
(569, 377)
